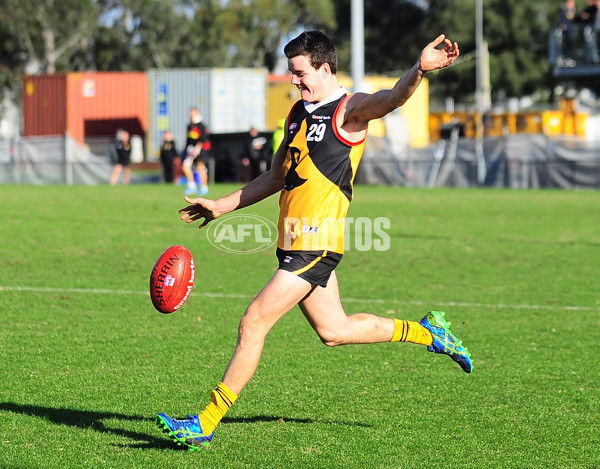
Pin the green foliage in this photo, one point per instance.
(140, 34)
(87, 362)
(392, 40)
(247, 34)
(516, 32)
(518, 44)
(48, 32)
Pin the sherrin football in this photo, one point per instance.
(172, 279)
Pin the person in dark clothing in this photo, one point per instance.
(587, 18)
(255, 150)
(567, 16)
(225, 167)
(168, 154)
(123, 150)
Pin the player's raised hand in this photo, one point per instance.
(434, 58)
(199, 208)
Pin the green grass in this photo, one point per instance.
(86, 362)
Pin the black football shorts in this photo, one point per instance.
(313, 266)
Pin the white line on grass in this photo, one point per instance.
(349, 300)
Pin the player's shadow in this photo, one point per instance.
(91, 419)
(95, 420)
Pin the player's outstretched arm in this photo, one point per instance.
(438, 54)
(265, 185)
(256, 190)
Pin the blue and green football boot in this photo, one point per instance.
(445, 341)
(186, 432)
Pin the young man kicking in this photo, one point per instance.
(314, 170)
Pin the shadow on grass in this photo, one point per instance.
(94, 420)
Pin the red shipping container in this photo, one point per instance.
(86, 104)
(44, 105)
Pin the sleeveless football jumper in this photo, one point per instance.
(319, 168)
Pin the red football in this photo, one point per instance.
(172, 279)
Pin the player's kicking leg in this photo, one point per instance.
(325, 312)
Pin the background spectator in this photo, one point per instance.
(123, 151)
(567, 16)
(168, 155)
(255, 150)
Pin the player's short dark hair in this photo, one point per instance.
(316, 46)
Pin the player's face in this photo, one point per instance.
(306, 78)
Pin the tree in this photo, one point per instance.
(394, 40)
(205, 38)
(43, 37)
(391, 44)
(239, 33)
(11, 55)
(47, 32)
(517, 34)
(139, 34)
(518, 45)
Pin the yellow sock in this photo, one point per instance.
(410, 331)
(222, 398)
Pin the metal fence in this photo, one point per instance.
(51, 160)
(515, 161)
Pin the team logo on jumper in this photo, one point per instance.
(288, 259)
(292, 178)
(293, 125)
(242, 234)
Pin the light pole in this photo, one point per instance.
(482, 90)
(357, 44)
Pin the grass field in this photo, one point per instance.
(86, 362)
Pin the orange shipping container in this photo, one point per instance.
(86, 104)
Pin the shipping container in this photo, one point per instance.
(171, 94)
(230, 101)
(90, 106)
(44, 109)
(238, 99)
(99, 103)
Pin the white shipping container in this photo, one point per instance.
(230, 101)
(238, 99)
